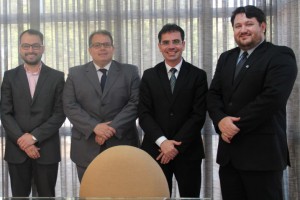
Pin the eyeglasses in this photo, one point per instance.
(98, 45)
(167, 42)
(35, 46)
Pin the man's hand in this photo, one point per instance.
(225, 138)
(25, 141)
(163, 159)
(33, 152)
(168, 151)
(228, 128)
(104, 130)
(99, 140)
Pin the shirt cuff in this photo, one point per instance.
(160, 140)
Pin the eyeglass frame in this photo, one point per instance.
(174, 42)
(35, 46)
(98, 45)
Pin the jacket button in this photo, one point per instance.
(171, 114)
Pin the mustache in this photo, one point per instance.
(244, 34)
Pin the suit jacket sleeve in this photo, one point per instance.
(128, 114)
(7, 118)
(84, 122)
(215, 103)
(146, 110)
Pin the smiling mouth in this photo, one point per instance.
(172, 53)
(30, 54)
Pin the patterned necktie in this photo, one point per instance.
(103, 78)
(173, 78)
(240, 63)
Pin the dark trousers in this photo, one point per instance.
(22, 175)
(187, 174)
(250, 185)
(80, 172)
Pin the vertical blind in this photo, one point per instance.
(66, 25)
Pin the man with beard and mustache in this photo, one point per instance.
(31, 114)
(247, 104)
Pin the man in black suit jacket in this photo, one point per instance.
(172, 121)
(249, 110)
(31, 114)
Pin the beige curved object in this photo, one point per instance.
(124, 171)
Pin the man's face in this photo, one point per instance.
(101, 50)
(248, 33)
(31, 49)
(171, 47)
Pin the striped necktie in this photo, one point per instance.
(173, 78)
(240, 63)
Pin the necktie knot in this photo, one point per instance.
(173, 70)
(243, 56)
(103, 71)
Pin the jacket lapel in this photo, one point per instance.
(249, 62)
(92, 76)
(164, 79)
(23, 81)
(112, 76)
(41, 80)
(181, 79)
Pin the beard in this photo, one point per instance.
(36, 61)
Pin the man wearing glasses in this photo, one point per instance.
(172, 113)
(100, 99)
(31, 114)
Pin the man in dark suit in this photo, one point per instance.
(100, 99)
(172, 115)
(31, 114)
(249, 110)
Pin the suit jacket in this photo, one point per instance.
(258, 96)
(179, 116)
(86, 105)
(42, 115)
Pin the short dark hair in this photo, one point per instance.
(170, 28)
(100, 32)
(32, 32)
(250, 11)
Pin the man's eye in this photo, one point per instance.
(165, 42)
(176, 41)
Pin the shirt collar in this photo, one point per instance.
(105, 67)
(33, 73)
(250, 50)
(178, 66)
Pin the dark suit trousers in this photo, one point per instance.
(187, 174)
(44, 176)
(250, 185)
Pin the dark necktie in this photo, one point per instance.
(240, 63)
(173, 78)
(103, 78)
